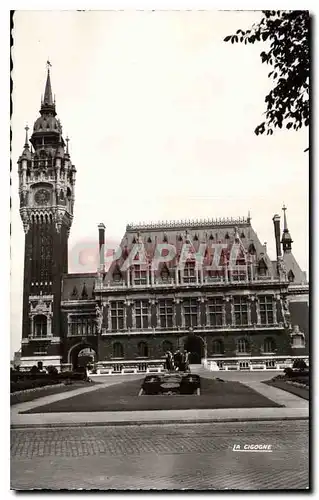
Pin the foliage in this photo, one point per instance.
(287, 36)
(34, 369)
(299, 364)
(52, 370)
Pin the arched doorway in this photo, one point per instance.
(81, 355)
(195, 346)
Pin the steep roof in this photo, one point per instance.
(293, 266)
(196, 232)
(78, 286)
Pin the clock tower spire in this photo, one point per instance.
(46, 190)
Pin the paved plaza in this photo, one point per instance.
(194, 456)
(146, 450)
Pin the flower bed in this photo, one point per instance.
(21, 381)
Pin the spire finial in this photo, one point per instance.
(47, 100)
(26, 144)
(249, 216)
(284, 208)
(67, 144)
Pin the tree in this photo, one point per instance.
(287, 34)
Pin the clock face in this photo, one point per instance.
(42, 197)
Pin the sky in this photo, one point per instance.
(161, 114)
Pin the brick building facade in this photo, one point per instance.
(163, 290)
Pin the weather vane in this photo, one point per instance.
(48, 64)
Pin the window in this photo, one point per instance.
(118, 351)
(262, 268)
(166, 313)
(139, 275)
(117, 275)
(189, 275)
(117, 315)
(215, 311)
(142, 349)
(266, 310)
(269, 345)
(165, 274)
(167, 346)
(141, 313)
(242, 345)
(218, 347)
(190, 312)
(81, 326)
(40, 326)
(241, 311)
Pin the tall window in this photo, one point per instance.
(166, 313)
(167, 346)
(269, 345)
(139, 275)
(218, 347)
(242, 345)
(40, 326)
(190, 312)
(266, 310)
(81, 326)
(215, 311)
(189, 274)
(143, 349)
(141, 313)
(241, 310)
(118, 351)
(117, 315)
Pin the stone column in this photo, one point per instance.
(258, 310)
(158, 318)
(274, 309)
(130, 303)
(176, 301)
(176, 276)
(207, 315)
(224, 310)
(200, 301)
(151, 303)
(249, 310)
(109, 315)
(232, 310)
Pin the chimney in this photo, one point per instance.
(102, 246)
(276, 220)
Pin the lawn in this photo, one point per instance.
(124, 397)
(302, 392)
(40, 392)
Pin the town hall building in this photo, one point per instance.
(172, 285)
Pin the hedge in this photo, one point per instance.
(20, 381)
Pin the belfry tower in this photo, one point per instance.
(46, 189)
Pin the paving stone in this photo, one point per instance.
(161, 457)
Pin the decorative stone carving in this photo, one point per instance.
(99, 318)
(282, 270)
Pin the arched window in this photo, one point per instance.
(118, 351)
(269, 345)
(218, 347)
(242, 345)
(167, 346)
(40, 326)
(142, 349)
(291, 276)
